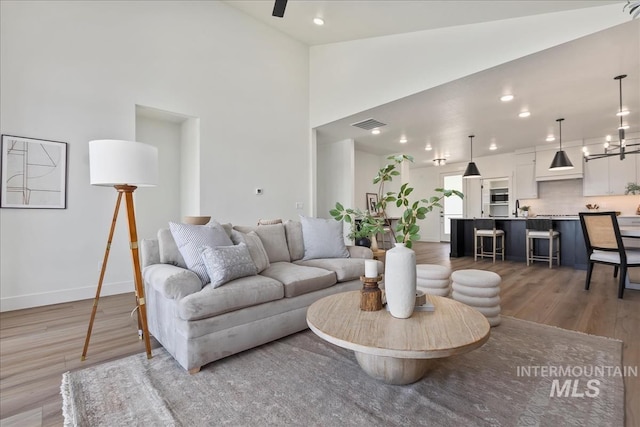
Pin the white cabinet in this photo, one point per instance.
(545, 157)
(526, 186)
(621, 172)
(608, 176)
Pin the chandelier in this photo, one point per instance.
(620, 148)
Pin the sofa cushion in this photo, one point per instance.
(274, 241)
(345, 268)
(226, 263)
(237, 294)
(293, 231)
(169, 253)
(256, 248)
(298, 280)
(322, 238)
(190, 238)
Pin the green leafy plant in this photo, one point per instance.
(525, 208)
(632, 188)
(363, 224)
(407, 228)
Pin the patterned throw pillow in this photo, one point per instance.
(322, 238)
(190, 238)
(226, 263)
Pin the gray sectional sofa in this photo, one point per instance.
(198, 324)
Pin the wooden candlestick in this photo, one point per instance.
(370, 295)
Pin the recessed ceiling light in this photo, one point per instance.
(622, 113)
(447, 154)
(550, 138)
(318, 21)
(375, 131)
(524, 114)
(403, 140)
(506, 98)
(493, 147)
(428, 147)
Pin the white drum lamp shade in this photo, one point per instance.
(115, 162)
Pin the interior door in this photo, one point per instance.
(452, 207)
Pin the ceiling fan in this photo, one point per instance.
(278, 8)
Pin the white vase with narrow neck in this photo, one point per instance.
(400, 281)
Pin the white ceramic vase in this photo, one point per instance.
(400, 281)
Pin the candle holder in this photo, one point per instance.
(370, 295)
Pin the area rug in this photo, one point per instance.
(525, 375)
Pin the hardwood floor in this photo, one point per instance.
(38, 345)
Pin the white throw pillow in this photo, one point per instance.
(226, 263)
(190, 238)
(322, 238)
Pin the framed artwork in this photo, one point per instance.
(372, 202)
(33, 173)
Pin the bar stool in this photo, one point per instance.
(539, 228)
(486, 228)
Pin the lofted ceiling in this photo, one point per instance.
(573, 80)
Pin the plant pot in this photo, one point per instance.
(400, 281)
(363, 241)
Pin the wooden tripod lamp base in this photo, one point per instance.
(112, 162)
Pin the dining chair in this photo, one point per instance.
(605, 246)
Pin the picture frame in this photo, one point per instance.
(33, 173)
(372, 202)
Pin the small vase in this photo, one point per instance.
(400, 281)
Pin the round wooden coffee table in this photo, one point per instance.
(398, 351)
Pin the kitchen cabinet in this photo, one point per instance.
(526, 186)
(544, 158)
(608, 176)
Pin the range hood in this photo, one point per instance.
(545, 157)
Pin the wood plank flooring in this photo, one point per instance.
(38, 345)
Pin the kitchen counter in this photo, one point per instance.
(573, 251)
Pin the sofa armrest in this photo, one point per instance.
(149, 252)
(360, 252)
(171, 281)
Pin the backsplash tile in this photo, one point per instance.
(564, 197)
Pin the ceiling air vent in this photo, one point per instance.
(368, 124)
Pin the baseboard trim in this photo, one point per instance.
(66, 295)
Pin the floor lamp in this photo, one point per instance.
(125, 165)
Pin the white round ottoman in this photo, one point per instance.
(433, 279)
(479, 289)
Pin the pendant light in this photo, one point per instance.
(472, 170)
(560, 160)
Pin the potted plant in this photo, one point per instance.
(525, 210)
(632, 188)
(363, 225)
(400, 268)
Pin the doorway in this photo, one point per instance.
(452, 207)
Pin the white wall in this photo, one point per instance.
(336, 172)
(74, 71)
(343, 74)
(367, 166)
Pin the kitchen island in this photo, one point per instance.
(573, 251)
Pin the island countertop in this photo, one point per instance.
(573, 251)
